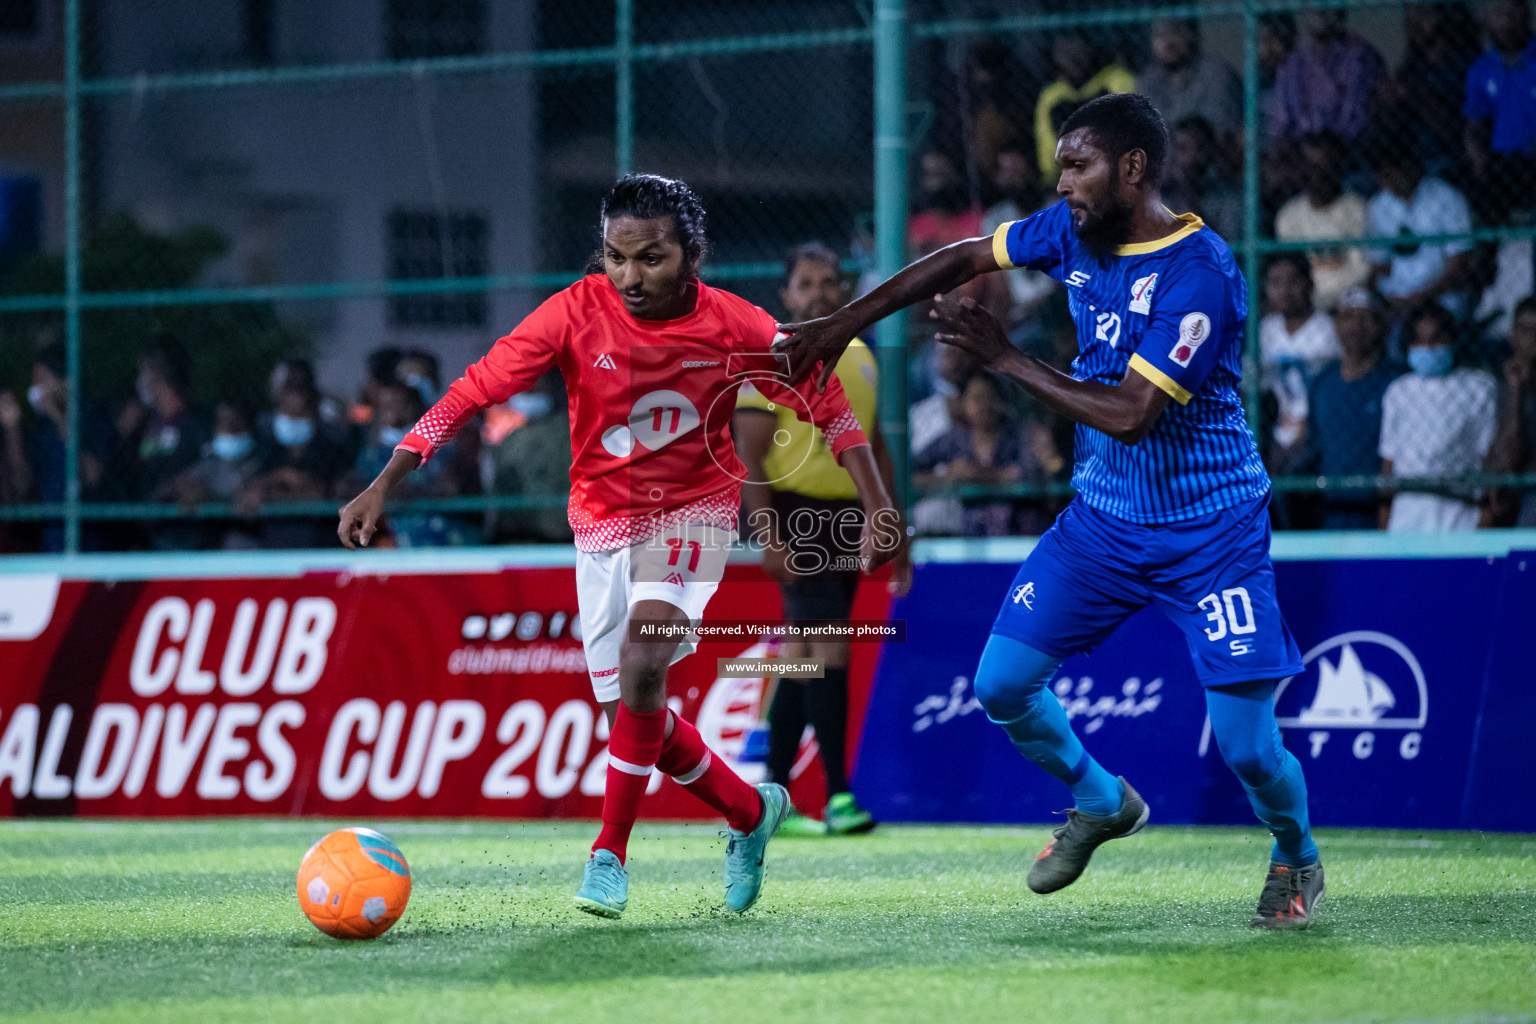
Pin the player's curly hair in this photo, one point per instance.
(1121, 122)
(647, 196)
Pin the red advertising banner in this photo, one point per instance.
(335, 693)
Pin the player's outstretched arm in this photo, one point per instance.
(1126, 412)
(825, 339)
(360, 516)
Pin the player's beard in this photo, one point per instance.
(1105, 230)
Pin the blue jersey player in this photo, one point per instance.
(1172, 498)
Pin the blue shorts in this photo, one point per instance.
(1211, 575)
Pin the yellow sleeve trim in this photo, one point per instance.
(1000, 245)
(1161, 379)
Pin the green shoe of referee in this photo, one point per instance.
(797, 824)
(844, 816)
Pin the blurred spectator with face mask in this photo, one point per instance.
(418, 370)
(1514, 450)
(460, 460)
(1344, 410)
(300, 462)
(397, 407)
(1326, 213)
(229, 462)
(332, 417)
(1437, 421)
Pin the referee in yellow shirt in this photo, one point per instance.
(803, 508)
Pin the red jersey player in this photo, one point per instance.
(651, 357)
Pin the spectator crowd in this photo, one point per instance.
(255, 461)
(1391, 348)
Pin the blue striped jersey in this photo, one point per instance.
(1173, 310)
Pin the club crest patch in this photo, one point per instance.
(1141, 294)
(1193, 330)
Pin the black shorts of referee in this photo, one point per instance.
(822, 536)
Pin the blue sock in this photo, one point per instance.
(1281, 803)
(1243, 722)
(1011, 685)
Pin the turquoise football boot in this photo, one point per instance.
(604, 886)
(744, 853)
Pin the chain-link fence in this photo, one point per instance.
(244, 242)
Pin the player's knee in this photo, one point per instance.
(1011, 679)
(1254, 764)
(996, 691)
(643, 673)
(1251, 769)
(1246, 733)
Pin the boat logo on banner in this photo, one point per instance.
(1361, 681)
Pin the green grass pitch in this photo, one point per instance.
(198, 921)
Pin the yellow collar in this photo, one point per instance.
(1191, 224)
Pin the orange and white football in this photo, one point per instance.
(354, 884)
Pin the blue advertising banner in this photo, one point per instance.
(1416, 701)
(1505, 738)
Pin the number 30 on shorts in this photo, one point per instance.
(1232, 612)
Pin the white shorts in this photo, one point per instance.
(682, 566)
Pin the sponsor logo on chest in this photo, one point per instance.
(1107, 328)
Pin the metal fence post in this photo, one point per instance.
(891, 222)
(1251, 354)
(72, 272)
(624, 86)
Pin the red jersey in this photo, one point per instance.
(650, 403)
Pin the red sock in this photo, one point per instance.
(632, 752)
(699, 770)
